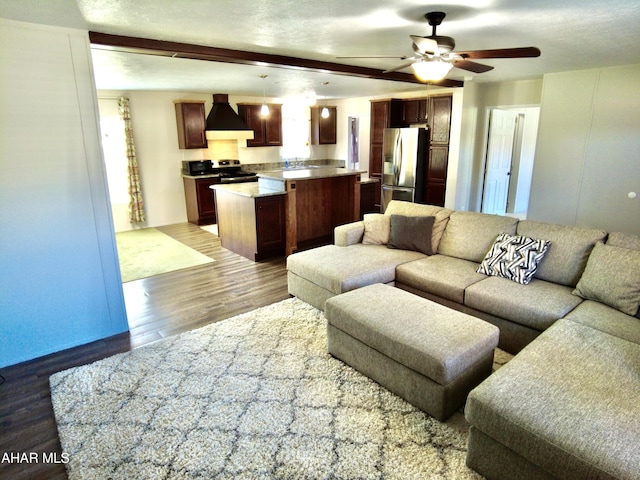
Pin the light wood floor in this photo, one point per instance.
(156, 307)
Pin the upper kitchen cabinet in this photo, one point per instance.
(323, 130)
(440, 122)
(190, 119)
(267, 131)
(415, 111)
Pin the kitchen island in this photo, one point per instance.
(286, 210)
(317, 200)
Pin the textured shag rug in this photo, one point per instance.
(147, 252)
(255, 396)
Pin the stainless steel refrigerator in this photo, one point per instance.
(405, 153)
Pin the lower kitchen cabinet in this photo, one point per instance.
(251, 225)
(199, 198)
(369, 201)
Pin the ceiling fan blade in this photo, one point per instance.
(501, 53)
(404, 65)
(403, 57)
(471, 66)
(425, 45)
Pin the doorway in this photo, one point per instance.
(509, 156)
(354, 143)
(114, 149)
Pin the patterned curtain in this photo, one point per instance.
(136, 206)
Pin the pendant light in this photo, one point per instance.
(324, 113)
(264, 110)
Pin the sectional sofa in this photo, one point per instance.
(565, 299)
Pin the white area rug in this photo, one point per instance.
(255, 396)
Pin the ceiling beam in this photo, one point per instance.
(213, 54)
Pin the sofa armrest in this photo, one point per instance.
(348, 234)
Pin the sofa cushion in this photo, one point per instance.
(626, 240)
(411, 233)
(612, 276)
(340, 269)
(410, 209)
(537, 305)
(469, 235)
(376, 229)
(568, 253)
(568, 402)
(606, 319)
(514, 257)
(440, 275)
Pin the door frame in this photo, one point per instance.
(524, 170)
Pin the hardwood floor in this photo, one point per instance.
(156, 307)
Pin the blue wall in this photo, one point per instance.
(59, 275)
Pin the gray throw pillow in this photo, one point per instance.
(612, 277)
(514, 257)
(411, 233)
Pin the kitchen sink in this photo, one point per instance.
(302, 167)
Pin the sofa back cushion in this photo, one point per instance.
(410, 209)
(568, 253)
(470, 235)
(626, 240)
(612, 277)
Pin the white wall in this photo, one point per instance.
(59, 276)
(588, 153)
(477, 101)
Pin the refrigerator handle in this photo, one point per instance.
(398, 156)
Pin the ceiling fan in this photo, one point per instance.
(434, 55)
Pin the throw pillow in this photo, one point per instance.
(612, 277)
(411, 233)
(514, 257)
(376, 229)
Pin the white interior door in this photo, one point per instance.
(502, 125)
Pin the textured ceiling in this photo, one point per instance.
(572, 35)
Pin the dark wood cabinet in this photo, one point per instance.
(200, 200)
(415, 111)
(323, 130)
(440, 119)
(436, 175)
(384, 114)
(267, 131)
(270, 226)
(254, 227)
(191, 122)
(368, 197)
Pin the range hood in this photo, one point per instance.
(224, 123)
(225, 129)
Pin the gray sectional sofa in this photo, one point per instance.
(568, 404)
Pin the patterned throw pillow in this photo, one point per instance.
(514, 257)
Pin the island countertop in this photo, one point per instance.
(248, 189)
(309, 173)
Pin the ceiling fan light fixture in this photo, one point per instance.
(431, 70)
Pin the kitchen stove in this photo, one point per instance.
(230, 171)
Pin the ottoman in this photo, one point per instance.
(428, 354)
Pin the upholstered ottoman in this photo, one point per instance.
(428, 354)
